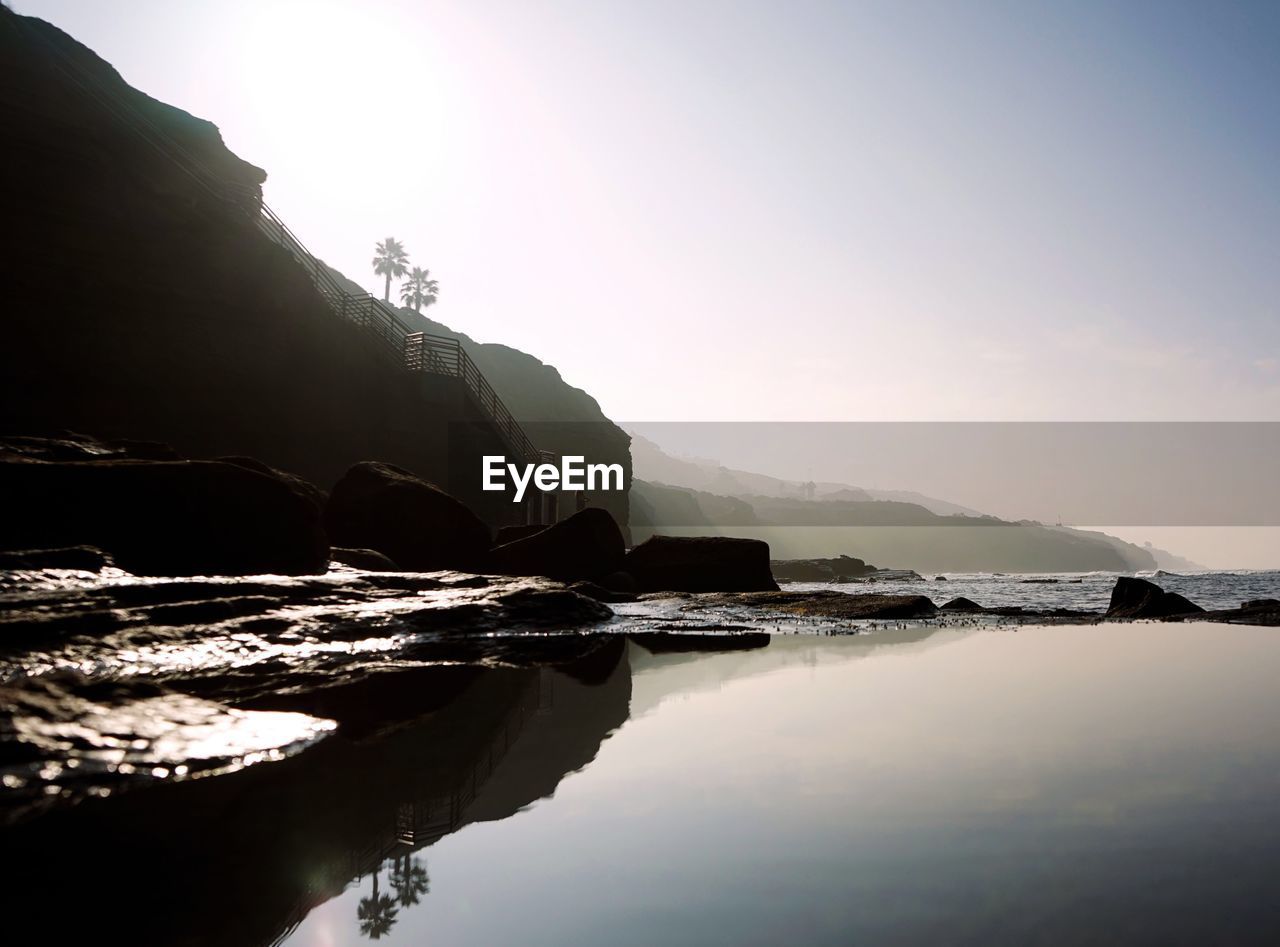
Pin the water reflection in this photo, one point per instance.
(1043, 786)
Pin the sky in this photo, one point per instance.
(729, 210)
(742, 211)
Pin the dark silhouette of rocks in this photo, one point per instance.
(164, 517)
(665, 642)
(961, 604)
(304, 488)
(586, 545)
(820, 570)
(619, 582)
(417, 525)
(700, 564)
(1268, 603)
(370, 560)
(85, 558)
(509, 534)
(1137, 598)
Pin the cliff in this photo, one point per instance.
(139, 305)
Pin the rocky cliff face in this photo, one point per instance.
(557, 416)
(138, 305)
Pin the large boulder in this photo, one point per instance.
(1138, 598)
(304, 488)
(419, 526)
(587, 545)
(509, 534)
(700, 564)
(163, 517)
(819, 570)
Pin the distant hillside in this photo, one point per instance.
(892, 534)
(655, 465)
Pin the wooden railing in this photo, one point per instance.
(408, 350)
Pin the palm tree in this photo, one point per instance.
(377, 913)
(410, 881)
(419, 289)
(390, 259)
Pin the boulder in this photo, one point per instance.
(619, 582)
(1138, 598)
(370, 560)
(961, 604)
(304, 488)
(700, 564)
(419, 526)
(84, 558)
(163, 517)
(842, 568)
(1260, 603)
(587, 545)
(509, 534)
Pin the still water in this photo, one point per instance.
(1095, 784)
(930, 785)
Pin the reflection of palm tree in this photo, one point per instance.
(419, 289)
(376, 913)
(390, 260)
(410, 881)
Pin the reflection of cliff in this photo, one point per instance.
(240, 860)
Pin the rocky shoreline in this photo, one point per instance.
(165, 619)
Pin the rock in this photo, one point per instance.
(370, 560)
(163, 517)
(587, 545)
(819, 570)
(85, 558)
(71, 446)
(940, 578)
(416, 524)
(1261, 603)
(619, 582)
(600, 593)
(304, 488)
(1138, 598)
(961, 604)
(509, 534)
(824, 604)
(700, 564)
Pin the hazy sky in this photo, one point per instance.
(780, 211)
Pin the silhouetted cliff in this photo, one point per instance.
(140, 305)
